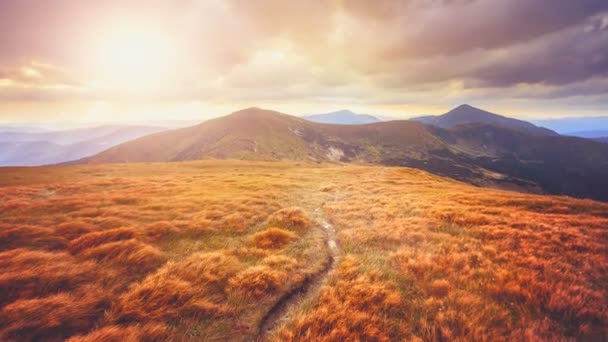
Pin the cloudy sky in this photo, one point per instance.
(185, 59)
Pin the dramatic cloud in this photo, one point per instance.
(396, 57)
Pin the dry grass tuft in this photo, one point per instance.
(256, 282)
(26, 273)
(55, 317)
(205, 309)
(73, 229)
(290, 218)
(235, 222)
(281, 262)
(130, 333)
(161, 229)
(133, 255)
(98, 238)
(273, 238)
(158, 297)
(31, 237)
(176, 289)
(211, 269)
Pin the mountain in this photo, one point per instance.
(557, 164)
(575, 125)
(267, 135)
(342, 117)
(480, 154)
(465, 114)
(31, 149)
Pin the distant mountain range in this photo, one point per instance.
(494, 151)
(588, 134)
(26, 148)
(465, 114)
(587, 127)
(342, 117)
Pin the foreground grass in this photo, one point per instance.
(431, 259)
(179, 251)
(203, 250)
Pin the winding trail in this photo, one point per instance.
(309, 289)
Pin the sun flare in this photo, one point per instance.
(135, 58)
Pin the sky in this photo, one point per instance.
(134, 60)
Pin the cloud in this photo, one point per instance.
(564, 57)
(400, 44)
(37, 73)
(425, 28)
(377, 52)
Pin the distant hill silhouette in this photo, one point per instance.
(342, 117)
(51, 147)
(466, 114)
(575, 125)
(589, 134)
(480, 154)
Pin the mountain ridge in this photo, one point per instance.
(467, 114)
(480, 154)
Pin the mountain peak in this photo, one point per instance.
(255, 112)
(466, 114)
(343, 117)
(250, 110)
(343, 111)
(465, 106)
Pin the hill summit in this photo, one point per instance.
(343, 117)
(483, 154)
(260, 134)
(466, 114)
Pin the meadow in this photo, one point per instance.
(204, 250)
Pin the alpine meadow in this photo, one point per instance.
(220, 170)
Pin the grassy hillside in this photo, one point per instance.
(480, 154)
(205, 250)
(258, 134)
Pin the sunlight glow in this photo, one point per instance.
(135, 58)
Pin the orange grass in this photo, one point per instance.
(118, 333)
(469, 263)
(273, 238)
(53, 317)
(138, 253)
(203, 250)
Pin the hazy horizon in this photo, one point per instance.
(193, 119)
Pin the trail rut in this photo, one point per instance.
(310, 288)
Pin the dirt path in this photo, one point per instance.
(310, 288)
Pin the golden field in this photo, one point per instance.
(204, 250)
